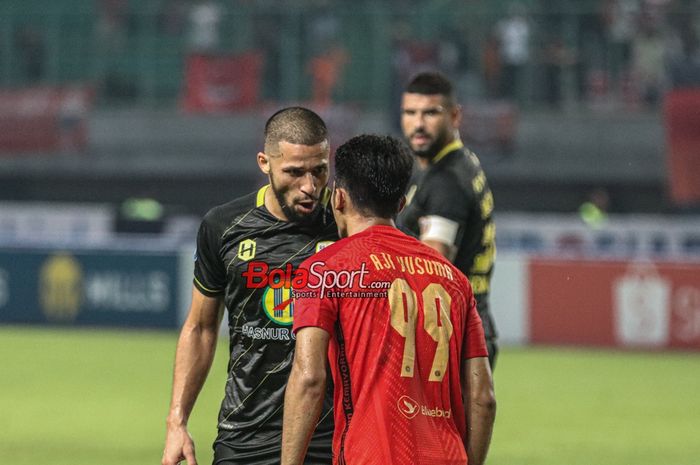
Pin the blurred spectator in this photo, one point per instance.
(30, 49)
(449, 57)
(204, 19)
(491, 65)
(266, 26)
(326, 70)
(410, 57)
(620, 17)
(514, 37)
(324, 26)
(172, 16)
(328, 55)
(111, 23)
(648, 57)
(556, 57)
(684, 64)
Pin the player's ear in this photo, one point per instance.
(456, 113)
(339, 199)
(263, 162)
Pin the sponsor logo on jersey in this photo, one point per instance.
(278, 304)
(60, 288)
(410, 408)
(246, 249)
(322, 245)
(275, 334)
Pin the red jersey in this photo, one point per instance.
(402, 320)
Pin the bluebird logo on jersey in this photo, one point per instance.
(410, 407)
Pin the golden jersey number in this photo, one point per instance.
(404, 313)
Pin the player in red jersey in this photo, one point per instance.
(397, 323)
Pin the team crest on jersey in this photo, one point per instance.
(278, 305)
(246, 249)
(322, 245)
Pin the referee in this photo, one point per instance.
(283, 223)
(449, 203)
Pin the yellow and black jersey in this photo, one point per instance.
(451, 202)
(234, 239)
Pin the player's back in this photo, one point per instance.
(398, 351)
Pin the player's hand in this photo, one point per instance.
(179, 446)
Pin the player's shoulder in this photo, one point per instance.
(463, 160)
(328, 254)
(225, 213)
(427, 252)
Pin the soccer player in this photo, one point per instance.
(449, 203)
(283, 223)
(399, 326)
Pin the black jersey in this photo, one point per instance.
(232, 238)
(454, 187)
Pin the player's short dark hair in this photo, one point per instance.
(432, 83)
(375, 171)
(296, 125)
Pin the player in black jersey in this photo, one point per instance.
(449, 203)
(238, 244)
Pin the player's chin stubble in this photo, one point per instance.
(288, 210)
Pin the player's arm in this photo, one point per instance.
(193, 358)
(306, 389)
(446, 211)
(448, 251)
(480, 407)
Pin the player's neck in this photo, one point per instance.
(359, 223)
(273, 205)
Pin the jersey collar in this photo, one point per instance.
(260, 199)
(454, 145)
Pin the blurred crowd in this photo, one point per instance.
(541, 52)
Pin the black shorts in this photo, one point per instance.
(225, 454)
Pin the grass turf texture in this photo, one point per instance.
(82, 397)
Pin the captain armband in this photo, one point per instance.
(438, 228)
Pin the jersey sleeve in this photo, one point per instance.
(447, 198)
(474, 344)
(445, 209)
(310, 308)
(209, 272)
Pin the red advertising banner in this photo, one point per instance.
(624, 304)
(222, 83)
(682, 116)
(44, 119)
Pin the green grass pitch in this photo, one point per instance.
(88, 397)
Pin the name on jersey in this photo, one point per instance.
(274, 334)
(411, 265)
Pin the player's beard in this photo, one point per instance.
(428, 153)
(288, 210)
